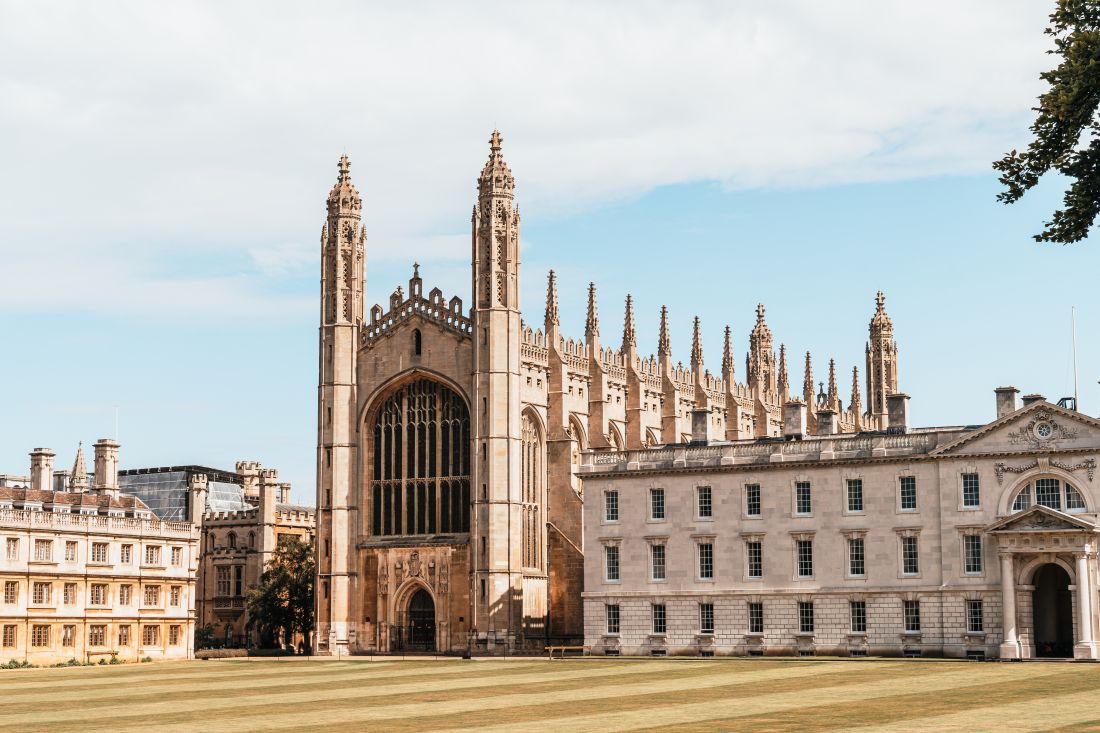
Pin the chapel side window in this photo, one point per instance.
(420, 462)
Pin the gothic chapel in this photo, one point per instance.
(449, 439)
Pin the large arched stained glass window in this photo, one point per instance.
(533, 469)
(420, 462)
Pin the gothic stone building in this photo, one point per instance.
(449, 444)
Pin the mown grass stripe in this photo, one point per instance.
(392, 715)
(288, 696)
(904, 709)
(941, 677)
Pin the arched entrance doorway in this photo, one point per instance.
(1052, 610)
(418, 633)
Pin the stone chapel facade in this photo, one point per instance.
(449, 507)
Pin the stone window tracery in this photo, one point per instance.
(420, 462)
(532, 469)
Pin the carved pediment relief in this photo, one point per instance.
(1041, 519)
(1038, 427)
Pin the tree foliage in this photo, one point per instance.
(1066, 128)
(282, 603)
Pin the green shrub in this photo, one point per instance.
(16, 664)
(220, 653)
(146, 659)
(115, 660)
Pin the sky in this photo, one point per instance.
(164, 167)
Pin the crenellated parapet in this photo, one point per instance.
(433, 309)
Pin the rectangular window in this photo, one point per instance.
(611, 506)
(972, 544)
(802, 501)
(911, 610)
(658, 617)
(910, 556)
(752, 500)
(173, 634)
(857, 610)
(706, 561)
(656, 503)
(40, 593)
(611, 562)
(150, 635)
(125, 595)
(174, 595)
(68, 631)
(70, 551)
(975, 620)
(99, 551)
(40, 635)
(11, 591)
(9, 636)
(43, 550)
(908, 496)
(12, 546)
(1047, 493)
(704, 504)
(756, 618)
(97, 594)
(68, 594)
(152, 595)
(657, 562)
(127, 554)
(612, 615)
(706, 618)
(177, 556)
(124, 635)
(856, 565)
(805, 549)
(221, 575)
(238, 580)
(97, 635)
(855, 495)
(152, 554)
(806, 617)
(754, 552)
(972, 496)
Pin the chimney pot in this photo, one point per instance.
(794, 420)
(42, 469)
(106, 466)
(1006, 400)
(1031, 398)
(897, 406)
(826, 422)
(700, 418)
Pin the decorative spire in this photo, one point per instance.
(881, 319)
(727, 357)
(696, 345)
(662, 335)
(834, 394)
(857, 402)
(808, 382)
(551, 300)
(629, 335)
(78, 481)
(592, 323)
(784, 381)
(344, 199)
(496, 177)
(761, 360)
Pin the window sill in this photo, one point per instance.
(754, 637)
(857, 635)
(975, 634)
(658, 581)
(42, 562)
(660, 636)
(804, 635)
(147, 566)
(856, 577)
(96, 564)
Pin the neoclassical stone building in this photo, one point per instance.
(957, 541)
(450, 503)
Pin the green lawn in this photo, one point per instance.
(536, 695)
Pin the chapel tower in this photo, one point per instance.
(882, 362)
(342, 246)
(498, 552)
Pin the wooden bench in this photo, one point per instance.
(561, 650)
(101, 654)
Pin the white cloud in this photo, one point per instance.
(214, 128)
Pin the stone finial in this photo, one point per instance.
(343, 199)
(663, 348)
(592, 322)
(834, 393)
(629, 334)
(551, 300)
(79, 479)
(727, 356)
(496, 178)
(880, 320)
(808, 381)
(857, 401)
(696, 345)
(784, 379)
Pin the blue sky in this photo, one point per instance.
(159, 221)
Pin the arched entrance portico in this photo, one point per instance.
(1052, 610)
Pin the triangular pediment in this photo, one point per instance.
(1041, 519)
(1040, 426)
